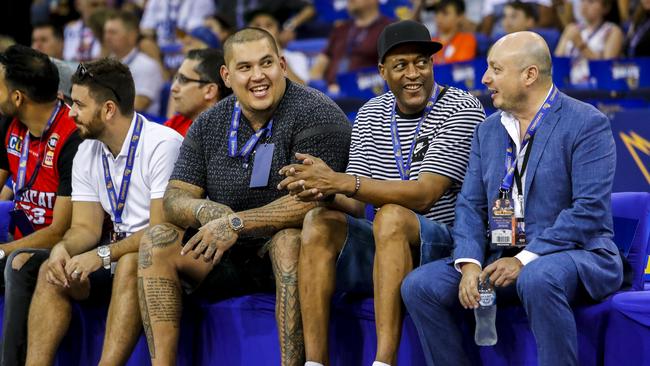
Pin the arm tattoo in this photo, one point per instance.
(282, 213)
(285, 248)
(180, 207)
(212, 211)
(146, 322)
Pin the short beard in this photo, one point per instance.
(95, 128)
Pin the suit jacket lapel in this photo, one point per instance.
(539, 142)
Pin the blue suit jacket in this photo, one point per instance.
(567, 192)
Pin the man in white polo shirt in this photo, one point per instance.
(121, 170)
(121, 39)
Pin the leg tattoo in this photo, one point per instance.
(146, 322)
(284, 250)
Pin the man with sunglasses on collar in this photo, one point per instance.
(40, 142)
(197, 86)
(408, 156)
(121, 169)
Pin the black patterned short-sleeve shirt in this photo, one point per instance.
(305, 121)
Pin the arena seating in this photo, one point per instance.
(242, 331)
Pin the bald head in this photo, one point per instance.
(525, 49)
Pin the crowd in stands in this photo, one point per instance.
(141, 33)
(260, 178)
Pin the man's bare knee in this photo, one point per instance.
(394, 221)
(320, 223)
(127, 266)
(19, 260)
(285, 250)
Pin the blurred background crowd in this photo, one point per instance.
(322, 40)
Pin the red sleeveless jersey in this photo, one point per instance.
(38, 201)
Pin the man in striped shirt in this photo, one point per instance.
(408, 157)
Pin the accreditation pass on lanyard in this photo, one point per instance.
(507, 227)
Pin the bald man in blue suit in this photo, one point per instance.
(565, 205)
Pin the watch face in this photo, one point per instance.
(236, 222)
(103, 251)
(2, 254)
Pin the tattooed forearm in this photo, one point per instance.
(285, 249)
(181, 207)
(212, 211)
(285, 212)
(146, 323)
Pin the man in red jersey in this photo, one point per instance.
(197, 86)
(40, 143)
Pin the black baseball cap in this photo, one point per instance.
(402, 32)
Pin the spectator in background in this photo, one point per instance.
(568, 11)
(639, 36)
(518, 16)
(457, 46)
(423, 12)
(48, 38)
(161, 19)
(298, 12)
(220, 27)
(121, 37)
(352, 44)
(297, 64)
(597, 39)
(197, 86)
(79, 42)
(493, 11)
(96, 25)
(198, 38)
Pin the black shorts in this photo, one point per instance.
(244, 269)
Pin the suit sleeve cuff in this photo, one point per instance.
(460, 261)
(526, 257)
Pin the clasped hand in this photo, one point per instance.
(212, 241)
(64, 270)
(310, 181)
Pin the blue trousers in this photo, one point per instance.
(546, 287)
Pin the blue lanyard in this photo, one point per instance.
(117, 204)
(24, 156)
(405, 167)
(248, 147)
(511, 159)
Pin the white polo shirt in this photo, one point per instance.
(147, 77)
(154, 161)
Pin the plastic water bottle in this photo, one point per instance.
(485, 315)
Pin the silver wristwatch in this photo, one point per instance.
(2, 254)
(235, 222)
(104, 252)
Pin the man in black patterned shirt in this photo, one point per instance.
(231, 155)
(408, 156)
